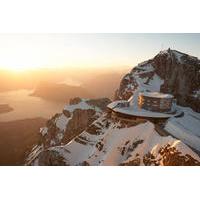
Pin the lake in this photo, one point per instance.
(26, 106)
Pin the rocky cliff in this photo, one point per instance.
(169, 72)
(75, 118)
(85, 134)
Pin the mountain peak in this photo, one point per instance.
(179, 56)
(170, 71)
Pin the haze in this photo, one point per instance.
(83, 51)
(88, 60)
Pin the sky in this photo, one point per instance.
(33, 51)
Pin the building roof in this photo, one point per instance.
(156, 95)
(115, 103)
(145, 113)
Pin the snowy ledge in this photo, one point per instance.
(145, 113)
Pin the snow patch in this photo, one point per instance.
(178, 55)
(61, 122)
(82, 105)
(196, 94)
(144, 69)
(44, 131)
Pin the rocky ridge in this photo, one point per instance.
(74, 119)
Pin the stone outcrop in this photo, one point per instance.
(51, 158)
(168, 156)
(75, 100)
(181, 77)
(100, 103)
(80, 121)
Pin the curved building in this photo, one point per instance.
(155, 101)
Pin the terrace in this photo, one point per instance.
(131, 108)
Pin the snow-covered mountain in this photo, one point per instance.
(169, 71)
(85, 134)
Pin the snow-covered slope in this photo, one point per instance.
(186, 128)
(110, 143)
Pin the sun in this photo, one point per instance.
(22, 59)
(16, 68)
(21, 64)
(19, 68)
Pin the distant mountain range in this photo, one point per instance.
(85, 134)
(59, 92)
(95, 83)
